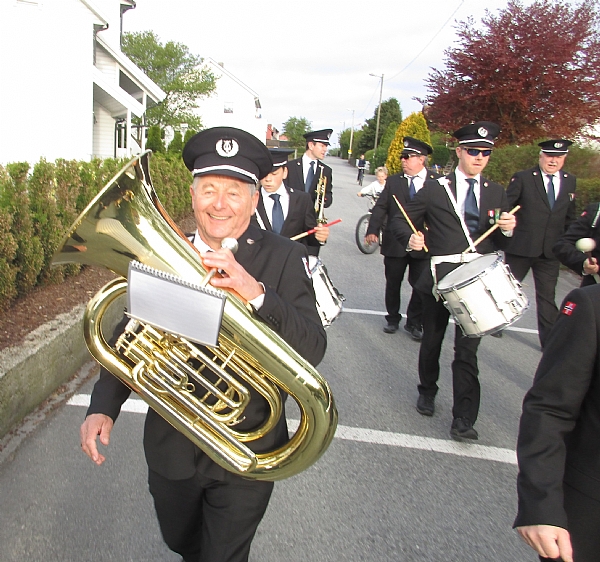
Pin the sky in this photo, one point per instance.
(315, 60)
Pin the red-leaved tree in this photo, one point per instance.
(534, 70)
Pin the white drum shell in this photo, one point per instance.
(483, 296)
(329, 300)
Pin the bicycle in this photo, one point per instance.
(361, 175)
(361, 229)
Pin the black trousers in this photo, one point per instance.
(583, 516)
(545, 275)
(207, 520)
(465, 371)
(394, 275)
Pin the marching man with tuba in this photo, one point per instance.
(206, 513)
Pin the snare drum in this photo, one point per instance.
(329, 299)
(483, 296)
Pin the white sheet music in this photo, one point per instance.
(174, 305)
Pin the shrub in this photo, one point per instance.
(413, 126)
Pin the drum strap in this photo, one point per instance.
(450, 258)
(260, 221)
(460, 218)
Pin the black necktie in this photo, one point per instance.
(277, 222)
(411, 189)
(310, 176)
(471, 209)
(551, 194)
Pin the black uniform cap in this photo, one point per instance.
(318, 136)
(477, 135)
(280, 157)
(555, 146)
(415, 146)
(226, 151)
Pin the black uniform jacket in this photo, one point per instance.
(288, 309)
(300, 218)
(560, 426)
(538, 226)
(385, 208)
(586, 226)
(295, 179)
(445, 235)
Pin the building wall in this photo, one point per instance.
(104, 133)
(46, 57)
(239, 102)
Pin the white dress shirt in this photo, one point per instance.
(284, 199)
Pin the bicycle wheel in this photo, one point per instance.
(361, 231)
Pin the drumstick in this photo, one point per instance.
(313, 230)
(490, 230)
(408, 220)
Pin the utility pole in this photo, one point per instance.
(378, 107)
(351, 134)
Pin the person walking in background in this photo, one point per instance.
(546, 195)
(396, 258)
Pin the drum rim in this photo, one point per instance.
(497, 262)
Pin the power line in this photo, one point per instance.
(429, 43)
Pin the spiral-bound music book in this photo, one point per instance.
(174, 305)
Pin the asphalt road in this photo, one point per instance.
(391, 487)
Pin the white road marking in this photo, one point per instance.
(379, 313)
(371, 436)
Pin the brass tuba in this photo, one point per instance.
(125, 222)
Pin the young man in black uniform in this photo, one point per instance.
(457, 211)
(206, 513)
(547, 198)
(287, 211)
(397, 258)
(558, 447)
(304, 173)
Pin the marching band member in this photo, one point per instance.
(287, 211)
(304, 173)
(396, 258)
(456, 209)
(206, 513)
(547, 199)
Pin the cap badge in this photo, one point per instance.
(558, 145)
(227, 148)
(483, 132)
(405, 143)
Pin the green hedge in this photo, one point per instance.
(38, 205)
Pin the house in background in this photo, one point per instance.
(232, 104)
(67, 89)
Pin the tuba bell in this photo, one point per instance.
(126, 222)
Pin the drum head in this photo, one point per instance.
(467, 271)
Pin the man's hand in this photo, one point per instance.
(416, 241)
(548, 541)
(372, 239)
(590, 266)
(94, 425)
(507, 222)
(235, 276)
(322, 233)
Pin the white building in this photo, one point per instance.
(67, 90)
(232, 104)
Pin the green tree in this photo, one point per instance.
(176, 71)
(390, 111)
(380, 155)
(155, 142)
(176, 145)
(188, 135)
(294, 128)
(344, 140)
(413, 126)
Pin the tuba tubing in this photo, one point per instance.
(125, 221)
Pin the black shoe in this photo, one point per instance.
(390, 328)
(426, 405)
(497, 334)
(461, 429)
(415, 333)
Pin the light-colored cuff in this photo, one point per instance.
(507, 233)
(257, 302)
